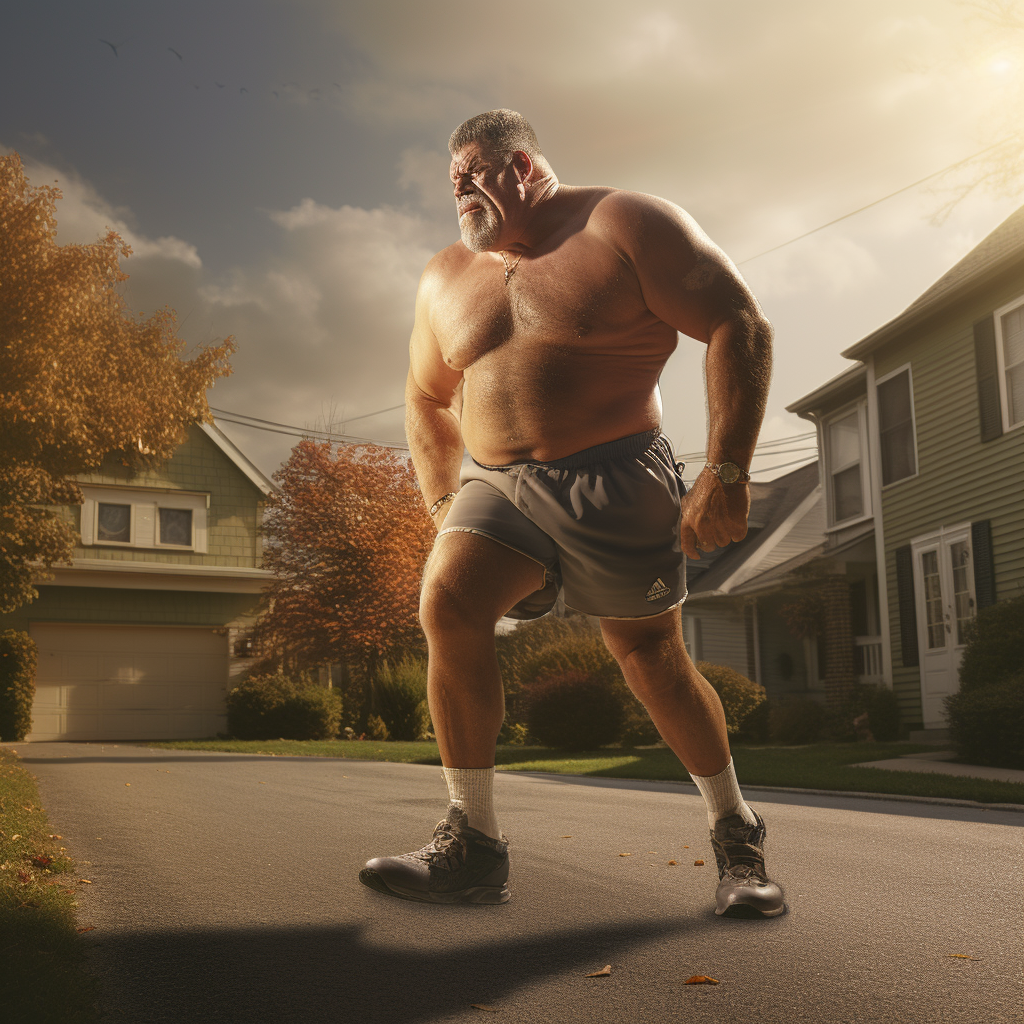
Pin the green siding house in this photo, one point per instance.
(922, 451)
(140, 637)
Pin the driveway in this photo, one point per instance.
(224, 889)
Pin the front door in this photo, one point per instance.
(944, 590)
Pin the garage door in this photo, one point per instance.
(128, 682)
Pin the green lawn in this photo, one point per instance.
(817, 766)
(39, 943)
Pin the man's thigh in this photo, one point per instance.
(654, 635)
(477, 577)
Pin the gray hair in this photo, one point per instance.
(502, 132)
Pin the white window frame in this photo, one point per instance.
(1004, 393)
(145, 517)
(913, 423)
(861, 408)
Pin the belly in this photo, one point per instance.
(544, 402)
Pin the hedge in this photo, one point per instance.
(18, 654)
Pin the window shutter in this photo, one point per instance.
(987, 365)
(908, 610)
(984, 563)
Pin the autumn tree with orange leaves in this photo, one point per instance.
(347, 539)
(80, 378)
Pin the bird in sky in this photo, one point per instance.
(176, 54)
(114, 46)
(243, 89)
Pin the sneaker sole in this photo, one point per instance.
(478, 895)
(744, 911)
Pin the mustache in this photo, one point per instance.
(471, 199)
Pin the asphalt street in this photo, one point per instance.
(224, 889)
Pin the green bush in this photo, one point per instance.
(739, 695)
(281, 706)
(796, 720)
(574, 711)
(987, 723)
(995, 645)
(637, 728)
(756, 727)
(400, 698)
(310, 714)
(883, 708)
(253, 706)
(376, 729)
(17, 683)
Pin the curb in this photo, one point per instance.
(898, 797)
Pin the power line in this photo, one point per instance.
(906, 188)
(796, 462)
(366, 415)
(289, 429)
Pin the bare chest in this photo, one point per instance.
(577, 296)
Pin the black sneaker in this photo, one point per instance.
(744, 889)
(461, 865)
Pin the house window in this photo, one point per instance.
(1010, 352)
(137, 517)
(176, 526)
(896, 427)
(113, 523)
(845, 440)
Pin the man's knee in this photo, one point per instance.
(446, 610)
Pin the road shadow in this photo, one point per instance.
(330, 974)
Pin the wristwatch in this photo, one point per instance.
(728, 472)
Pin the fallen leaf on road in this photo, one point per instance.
(90, 928)
(603, 973)
(56, 837)
(480, 1006)
(673, 862)
(567, 837)
(963, 956)
(655, 852)
(698, 863)
(625, 855)
(127, 783)
(261, 783)
(17, 835)
(685, 847)
(86, 881)
(701, 979)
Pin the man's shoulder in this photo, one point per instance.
(450, 260)
(619, 206)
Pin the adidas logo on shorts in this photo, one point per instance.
(658, 590)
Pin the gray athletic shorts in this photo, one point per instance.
(604, 524)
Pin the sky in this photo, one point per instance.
(280, 169)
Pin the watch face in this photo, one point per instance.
(729, 472)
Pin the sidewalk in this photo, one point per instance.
(941, 762)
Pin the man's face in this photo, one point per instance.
(480, 196)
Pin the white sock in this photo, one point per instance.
(722, 795)
(472, 790)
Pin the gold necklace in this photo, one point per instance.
(509, 271)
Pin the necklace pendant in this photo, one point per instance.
(508, 274)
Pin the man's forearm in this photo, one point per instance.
(738, 372)
(435, 444)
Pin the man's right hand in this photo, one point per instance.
(714, 514)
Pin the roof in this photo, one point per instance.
(852, 380)
(999, 250)
(231, 450)
(789, 508)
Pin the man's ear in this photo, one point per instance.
(522, 166)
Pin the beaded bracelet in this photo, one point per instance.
(441, 502)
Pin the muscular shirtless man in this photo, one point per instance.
(538, 342)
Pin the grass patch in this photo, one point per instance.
(40, 948)
(815, 766)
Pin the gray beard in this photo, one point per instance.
(480, 230)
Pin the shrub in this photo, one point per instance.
(574, 711)
(17, 683)
(400, 698)
(310, 714)
(797, 720)
(987, 723)
(995, 642)
(756, 727)
(254, 703)
(376, 729)
(637, 728)
(281, 706)
(883, 708)
(739, 695)
(513, 734)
